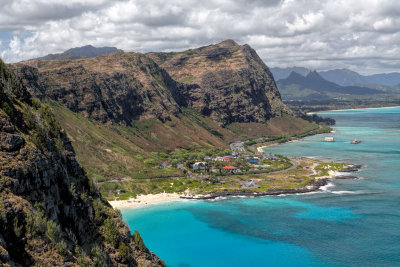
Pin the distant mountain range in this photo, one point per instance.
(283, 73)
(343, 77)
(313, 85)
(81, 52)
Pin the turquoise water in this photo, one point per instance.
(348, 223)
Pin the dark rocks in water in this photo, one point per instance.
(352, 168)
(346, 177)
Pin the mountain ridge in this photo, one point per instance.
(343, 77)
(319, 86)
(51, 213)
(86, 51)
(224, 89)
(230, 82)
(147, 108)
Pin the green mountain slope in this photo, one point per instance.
(51, 213)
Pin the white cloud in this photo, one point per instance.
(316, 34)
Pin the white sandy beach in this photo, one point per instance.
(310, 113)
(143, 200)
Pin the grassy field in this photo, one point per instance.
(127, 158)
(272, 179)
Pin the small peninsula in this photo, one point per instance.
(244, 174)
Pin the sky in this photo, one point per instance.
(362, 35)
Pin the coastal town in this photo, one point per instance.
(245, 171)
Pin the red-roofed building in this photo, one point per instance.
(230, 168)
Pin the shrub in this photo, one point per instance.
(61, 248)
(99, 213)
(111, 233)
(53, 231)
(139, 242)
(98, 257)
(36, 221)
(123, 250)
(17, 229)
(83, 262)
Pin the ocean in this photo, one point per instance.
(347, 223)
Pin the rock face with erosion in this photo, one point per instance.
(114, 88)
(227, 82)
(51, 214)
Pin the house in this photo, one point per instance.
(253, 161)
(179, 166)
(200, 165)
(207, 158)
(224, 159)
(163, 165)
(270, 157)
(230, 168)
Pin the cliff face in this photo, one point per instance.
(50, 213)
(229, 82)
(114, 88)
(226, 81)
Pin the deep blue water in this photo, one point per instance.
(349, 223)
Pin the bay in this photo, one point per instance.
(347, 223)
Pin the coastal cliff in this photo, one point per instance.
(50, 212)
(113, 88)
(226, 81)
(229, 82)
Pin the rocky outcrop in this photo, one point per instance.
(51, 214)
(115, 88)
(229, 82)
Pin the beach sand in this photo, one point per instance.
(143, 200)
(310, 113)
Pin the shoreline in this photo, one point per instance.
(144, 200)
(162, 198)
(328, 110)
(260, 148)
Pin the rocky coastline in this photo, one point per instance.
(315, 186)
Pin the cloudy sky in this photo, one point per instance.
(363, 35)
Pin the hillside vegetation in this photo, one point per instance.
(51, 213)
(131, 116)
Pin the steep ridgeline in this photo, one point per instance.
(114, 88)
(51, 214)
(227, 82)
(119, 108)
(81, 52)
(230, 82)
(313, 86)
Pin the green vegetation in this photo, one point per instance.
(119, 159)
(111, 233)
(188, 79)
(324, 168)
(123, 250)
(139, 242)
